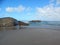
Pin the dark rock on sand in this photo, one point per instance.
(23, 23)
(8, 21)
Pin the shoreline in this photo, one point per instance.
(31, 27)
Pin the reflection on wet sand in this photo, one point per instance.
(10, 28)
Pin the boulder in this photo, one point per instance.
(22, 23)
(8, 21)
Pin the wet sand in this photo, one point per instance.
(30, 36)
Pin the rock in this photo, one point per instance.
(23, 23)
(35, 21)
(8, 21)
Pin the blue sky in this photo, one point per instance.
(46, 10)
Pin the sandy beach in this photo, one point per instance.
(30, 36)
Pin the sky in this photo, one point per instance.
(45, 10)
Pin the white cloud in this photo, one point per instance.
(49, 12)
(20, 8)
(55, 1)
(58, 2)
(52, 1)
(9, 9)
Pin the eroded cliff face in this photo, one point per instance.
(8, 21)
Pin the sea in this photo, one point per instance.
(45, 24)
